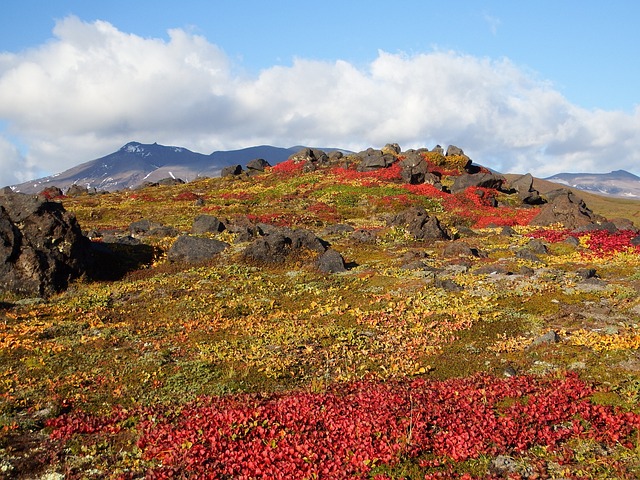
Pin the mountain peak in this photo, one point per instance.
(133, 147)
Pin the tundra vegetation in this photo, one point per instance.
(459, 338)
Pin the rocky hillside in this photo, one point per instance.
(384, 314)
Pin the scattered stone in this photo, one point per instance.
(206, 224)
(257, 165)
(586, 273)
(462, 249)
(170, 181)
(547, 338)
(331, 262)
(310, 157)
(195, 249)
(419, 224)
(77, 191)
(51, 192)
(527, 254)
(504, 466)
(571, 240)
(448, 284)
(364, 235)
(231, 171)
(537, 246)
(507, 232)
(147, 227)
(338, 229)
(279, 243)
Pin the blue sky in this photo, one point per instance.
(540, 86)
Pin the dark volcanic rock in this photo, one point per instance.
(77, 191)
(231, 171)
(195, 249)
(374, 160)
(279, 243)
(419, 224)
(413, 168)
(483, 180)
(331, 262)
(147, 227)
(42, 247)
(523, 185)
(257, 165)
(170, 181)
(565, 208)
(207, 224)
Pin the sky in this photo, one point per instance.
(540, 86)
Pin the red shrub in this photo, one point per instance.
(353, 427)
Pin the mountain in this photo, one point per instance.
(136, 163)
(619, 183)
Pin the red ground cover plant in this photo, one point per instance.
(474, 205)
(600, 243)
(288, 168)
(186, 196)
(361, 428)
(391, 173)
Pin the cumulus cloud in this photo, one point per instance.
(12, 164)
(93, 88)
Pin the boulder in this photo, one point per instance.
(523, 185)
(331, 262)
(170, 181)
(462, 249)
(51, 192)
(363, 235)
(278, 244)
(206, 224)
(77, 191)
(565, 208)
(481, 179)
(42, 247)
(257, 165)
(195, 249)
(147, 227)
(310, 157)
(413, 168)
(419, 224)
(374, 160)
(453, 150)
(231, 171)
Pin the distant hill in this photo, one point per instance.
(619, 183)
(136, 163)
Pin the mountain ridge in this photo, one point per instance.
(135, 163)
(618, 183)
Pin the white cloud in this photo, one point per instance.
(93, 88)
(12, 164)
